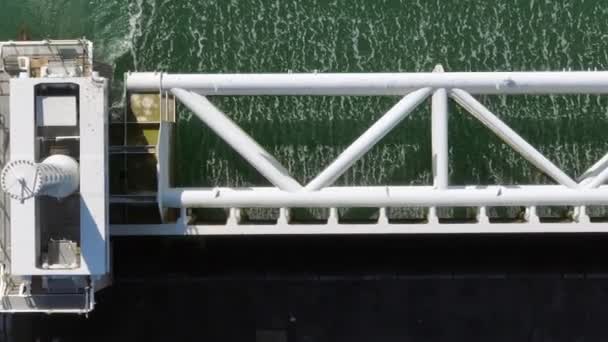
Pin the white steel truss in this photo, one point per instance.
(190, 90)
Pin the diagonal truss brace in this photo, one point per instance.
(519, 144)
(368, 139)
(240, 141)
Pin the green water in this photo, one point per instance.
(306, 133)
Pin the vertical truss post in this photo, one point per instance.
(368, 139)
(439, 136)
(439, 126)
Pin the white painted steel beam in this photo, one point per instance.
(439, 133)
(368, 139)
(439, 142)
(598, 180)
(240, 141)
(591, 173)
(349, 229)
(519, 144)
(595, 169)
(579, 82)
(385, 196)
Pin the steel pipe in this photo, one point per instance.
(242, 143)
(335, 197)
(439, 142)
(579, 82)
(368, 139)
(343, 228)
(519, 144)
(594, 171)
(439, 133)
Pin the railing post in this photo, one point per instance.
(580, 215)
(235, 216)
(333, 216)
(531, 216)
(284, 216)
(383, 216)
(184, 216)
(482, 215)
(439, 137)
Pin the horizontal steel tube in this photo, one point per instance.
(392, 196)
(301, 228)
(579, 82)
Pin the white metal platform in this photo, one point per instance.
(55, 232)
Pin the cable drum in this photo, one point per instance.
(57, 176)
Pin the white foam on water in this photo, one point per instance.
(135, 30)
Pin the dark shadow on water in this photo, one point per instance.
(381, 288)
